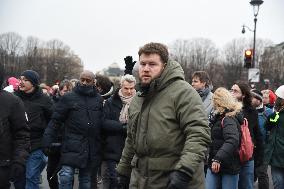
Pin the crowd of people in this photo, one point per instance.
(153, 130)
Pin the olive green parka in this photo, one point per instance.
(167, 130)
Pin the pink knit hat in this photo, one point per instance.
(14, 81)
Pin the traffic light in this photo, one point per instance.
(248, 58)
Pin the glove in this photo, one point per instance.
(17, 171)
(129, 64)
(124, 127)
(52, 149)
(178, 180)
(46, 151)
(123, 182)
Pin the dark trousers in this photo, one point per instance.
(20, 183)
(4, 177)
(94, 173)
(262, 176)
(53, 168)
(109, 174)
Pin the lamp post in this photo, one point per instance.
(56, 64)
(255, 4)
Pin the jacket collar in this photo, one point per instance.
(85, 90)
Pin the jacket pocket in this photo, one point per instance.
(73, 144)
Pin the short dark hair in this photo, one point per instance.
(203, 77)
(66, 83)
(245, 89)
(104, 83)
(155, 48)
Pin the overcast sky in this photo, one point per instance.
(105, 31)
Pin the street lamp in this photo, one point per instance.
(255, 4)
(56, 64)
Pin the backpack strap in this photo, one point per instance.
(222, 122)
(245, 123)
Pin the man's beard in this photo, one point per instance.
(144, 84)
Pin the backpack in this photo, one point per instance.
(246, 144)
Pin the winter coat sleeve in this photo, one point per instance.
(21, 140)
(259, 146)
(231, 137)
(110, 125)
(124, 166)
(58, 117)
(48, 108)
(61, 111)
(194, 124)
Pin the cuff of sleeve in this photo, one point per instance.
(188, 171)
(122, 170)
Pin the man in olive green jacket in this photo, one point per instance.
(168, 131)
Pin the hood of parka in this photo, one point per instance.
(172, 72)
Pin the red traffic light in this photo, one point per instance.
(248, 58)
(248, 53)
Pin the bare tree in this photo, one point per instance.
(53, 60)
(194, 54)
(233, 56)
(10, 48)
(11, 42)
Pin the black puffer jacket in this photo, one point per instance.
(114, 134)
(225, 143)
(80, 111)
(252, 116)
(14, 132)
(38, 107)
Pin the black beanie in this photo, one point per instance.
(257, 94)
(32, 76)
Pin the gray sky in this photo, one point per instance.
(105, 31)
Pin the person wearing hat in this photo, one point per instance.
(12, 84)
(260, 168)
(274, 151)
(269, 98)
(38, 109)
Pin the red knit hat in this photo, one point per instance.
(272, 97)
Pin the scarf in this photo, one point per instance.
(203, 93)
(260, 108)
(123, 118)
